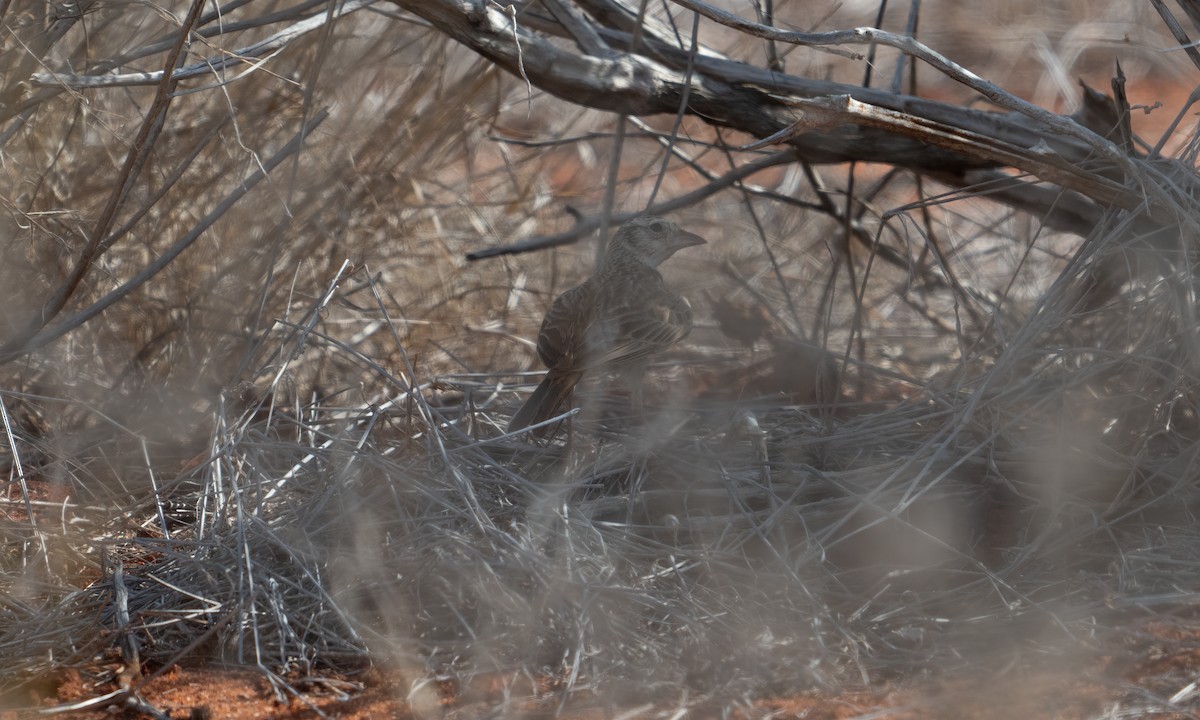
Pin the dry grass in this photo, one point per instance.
(286, 450)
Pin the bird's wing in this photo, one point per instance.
(642, 323)
(613, 320)
(564, 329)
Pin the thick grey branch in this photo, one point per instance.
(876, 126)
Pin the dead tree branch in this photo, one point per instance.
(1079, 174)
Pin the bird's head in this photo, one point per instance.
(651, 240)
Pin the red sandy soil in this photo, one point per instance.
(1157, 661)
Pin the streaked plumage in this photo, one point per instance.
(616, 321)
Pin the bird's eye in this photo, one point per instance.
(658, 227)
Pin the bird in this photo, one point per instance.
(616, 321)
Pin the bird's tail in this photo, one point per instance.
(545, 401)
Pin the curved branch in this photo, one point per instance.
(948, 141)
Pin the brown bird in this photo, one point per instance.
(615, 321)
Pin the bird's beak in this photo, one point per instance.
(686, 239)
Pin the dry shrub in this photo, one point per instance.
(290, 438)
